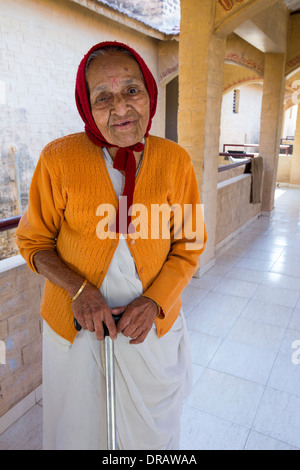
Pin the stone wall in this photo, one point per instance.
(234, 208)
(20, 330)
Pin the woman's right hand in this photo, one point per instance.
(90, 308)
(91, 311)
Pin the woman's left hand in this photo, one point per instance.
(137, 319)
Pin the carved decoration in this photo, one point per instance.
(229, 4)
(294, 62)
(234, 57)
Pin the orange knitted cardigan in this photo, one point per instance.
(69, 184)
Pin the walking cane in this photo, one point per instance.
(108, 346)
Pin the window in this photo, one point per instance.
(236, 101)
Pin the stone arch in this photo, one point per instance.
(242, 82)
(237, 73)
(168, 75)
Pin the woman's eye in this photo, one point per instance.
(133, 91)
(102, 100)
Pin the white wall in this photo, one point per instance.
(290, 120)
(243, 127)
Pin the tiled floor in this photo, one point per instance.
(243, 317)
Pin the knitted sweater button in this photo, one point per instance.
(141, 270)
(132, 242)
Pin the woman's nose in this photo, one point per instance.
(120, 106)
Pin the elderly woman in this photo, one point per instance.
(92, 273)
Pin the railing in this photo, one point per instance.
(9, 224)
(246, 158)
(285, 147)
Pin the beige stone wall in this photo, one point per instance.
(295, 162)
(284, 169)
(271, 124)
(201, 73)
(168, 60)
(20, 329)
(234, 207)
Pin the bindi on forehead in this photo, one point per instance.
(114, 82)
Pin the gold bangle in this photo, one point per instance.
(79, 290)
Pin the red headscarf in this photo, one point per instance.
(124, 160)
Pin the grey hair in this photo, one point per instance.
(104, 51)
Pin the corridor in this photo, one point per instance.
(243, 317)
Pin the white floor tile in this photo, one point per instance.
(207, 282)
(226, 260)
(257, 334)
(197, 372)
(243, 274)
(191, 297)
(289, 256)
(227, 397)
(256, 264)
(286, 268)
(258, 441)
(277, 295)
(291, 336)
(236, 287)
(203, 347)
(202, 431)
(244, 361)
(215, 324)
(281, 281)
(285, 375)
(278, 416)
(26, 433)
(256, 253)
(272, 314)
(223, 303)
(295, 320)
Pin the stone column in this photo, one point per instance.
(295, 164)
(201, 78)
(271, 123)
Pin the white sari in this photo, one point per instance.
(152, 378)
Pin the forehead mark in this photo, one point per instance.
(114, 82)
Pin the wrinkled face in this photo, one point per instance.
(119, 99)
